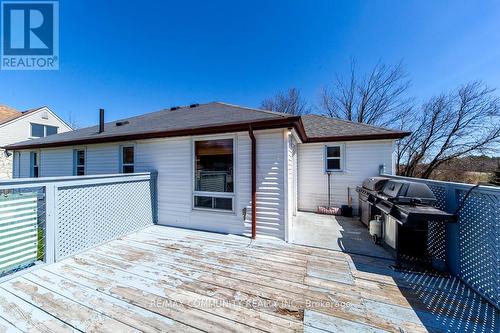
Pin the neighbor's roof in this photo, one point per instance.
(8, 114)
(210, 118)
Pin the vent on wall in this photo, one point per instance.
(45, 115)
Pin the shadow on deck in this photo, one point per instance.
(439, 303)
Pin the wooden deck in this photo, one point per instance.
(172, 280)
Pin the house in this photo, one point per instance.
(223, 167)
(18, 126)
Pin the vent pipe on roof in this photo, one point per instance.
(101, 120)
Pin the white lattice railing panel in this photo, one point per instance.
(440, 194)
(479, 224)
(477, 253)
(92, 214)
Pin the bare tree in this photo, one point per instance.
(72, 122)
(290, 102)
(378, 98)
(463, 122)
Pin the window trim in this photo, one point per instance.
(231, 195)
(341, 158)
(75, 161)
(32, 165)
(44, 130)
(121, 158)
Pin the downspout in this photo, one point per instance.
(254, 181)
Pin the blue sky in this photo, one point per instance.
(133, 57)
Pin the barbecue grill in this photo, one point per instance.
(409, 203)
(368, 197)
(407, 210)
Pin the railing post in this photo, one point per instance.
(154, 195)
(50, 223)
(452, 233)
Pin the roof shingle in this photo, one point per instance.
(7, 114)
(321, 128)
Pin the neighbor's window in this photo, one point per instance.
(214, 174)
(333, 158)
(37, 130)
(40, 131)
(50, 130)
(79, 156)
(34, 172)
(128, 159)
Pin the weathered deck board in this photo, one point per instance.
(172, 280)
(133, 316)
(81, 317)
(27, 317)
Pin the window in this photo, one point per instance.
(34, 170)
(214, 174)
(37, 130)
(50, 130)
(40, 131)
(333, 158)
(79, 162)
(128, 159)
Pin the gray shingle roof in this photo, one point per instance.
(184, 118)
(321, 127)
(215, 116)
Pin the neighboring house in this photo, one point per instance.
(213, 158)
(18, 126)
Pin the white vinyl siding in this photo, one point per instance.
(56, 162)
(172, 158)
(103, 159)
(361, 160)
(175, 184)
(291, 151)
(271, 174)
(16, 163)
(24, 164)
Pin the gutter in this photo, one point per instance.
(254, 181)
(360, 137)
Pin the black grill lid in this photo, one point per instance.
(405, 191)
(375, 183)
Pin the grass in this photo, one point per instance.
(41, 245)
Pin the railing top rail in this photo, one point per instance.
(463, 186)
(73, 180)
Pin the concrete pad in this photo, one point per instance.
(338, 233)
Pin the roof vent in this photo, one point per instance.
(121, 123)
(173, 108)
(194, 105)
